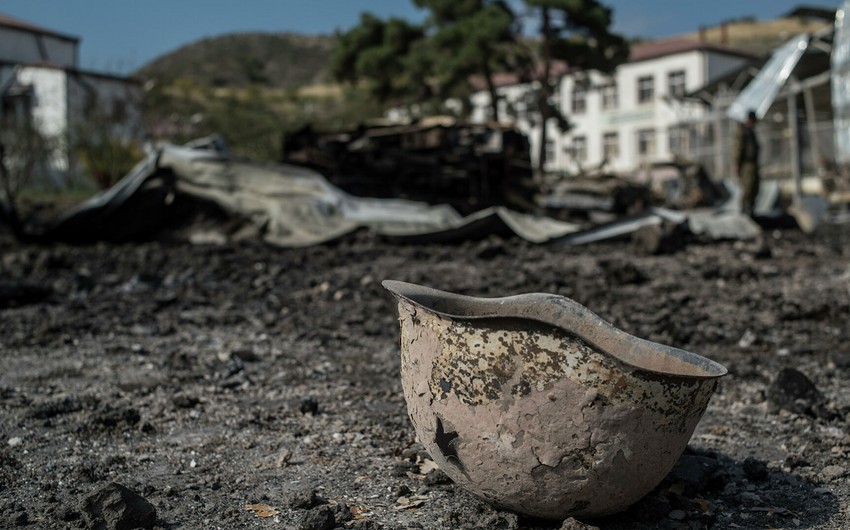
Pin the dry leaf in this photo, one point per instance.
(359, 511)
(261, 510)
(407, 503)
(719, 429)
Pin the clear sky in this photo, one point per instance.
(119, 36)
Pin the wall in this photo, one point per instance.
(49, 113)
(49, 105)
(105, 99)
(67, 104)
(626, 119)
(18, 46)
(630, 115)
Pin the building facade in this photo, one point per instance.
(624, 120)
(41, 84)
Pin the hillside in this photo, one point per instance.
(759, 36)
(283, 60)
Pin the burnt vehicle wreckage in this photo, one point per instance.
(467, 165)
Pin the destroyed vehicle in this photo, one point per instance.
(436, 160)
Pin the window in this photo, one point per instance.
(580, 148)
(676, 84)
(678, 140)
(646, 142)
(579, 97)
(119, 110)
(610, 145)
(17, 104)
(609, 96)
(646, 89)
(550, 150)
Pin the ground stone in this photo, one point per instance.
(833, 472)
(115, 507)
(793, 391)
(299, 498)
(755, 469)
(319, 518)
(574, 524)
(694, 471)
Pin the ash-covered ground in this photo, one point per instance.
(211, 379)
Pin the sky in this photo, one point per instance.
(120, 36)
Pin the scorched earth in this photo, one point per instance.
(248, 386)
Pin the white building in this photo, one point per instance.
(626, 119)
(40, 81)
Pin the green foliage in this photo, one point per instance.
(24, 152)
(105, 141)
(579, 33)
(470, 38)
(391, 56)
(107, 159)
(249, 123)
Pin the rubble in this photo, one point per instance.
(115, 507)
(318, 518)
(793, 391)
(597, 193)
(284, 205)
(201, 194)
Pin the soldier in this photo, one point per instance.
(747, 163)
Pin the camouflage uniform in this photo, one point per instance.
(746, 158)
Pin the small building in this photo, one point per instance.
(626, 119)
(42, 84)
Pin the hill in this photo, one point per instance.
(283, 60)
(759, 36)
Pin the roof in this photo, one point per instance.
(644, 51)
(501, 79)
(641, 51)
(74, 71)
(9, 22)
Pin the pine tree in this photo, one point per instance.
(576, 32)
(470, 38)
(391, 56)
